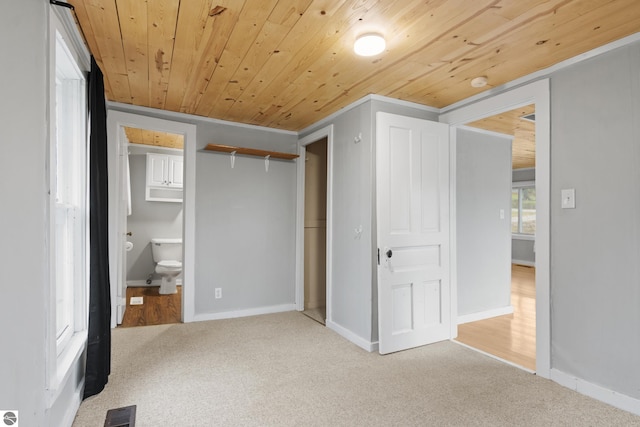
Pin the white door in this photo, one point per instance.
(123, 208)
(413, 232)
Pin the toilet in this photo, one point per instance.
(167, 253)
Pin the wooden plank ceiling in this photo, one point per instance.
(289, 63)
(154, 138)
(523, 147)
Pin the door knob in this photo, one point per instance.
(389, 253)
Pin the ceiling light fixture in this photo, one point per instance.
(369, 44)
(479, 81)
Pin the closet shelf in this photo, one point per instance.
(250, 151)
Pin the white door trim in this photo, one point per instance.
(326, 132)
(115, 120)
(538, 93)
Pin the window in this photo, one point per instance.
(523, 208)
(68, 205)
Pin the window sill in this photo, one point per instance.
(64, 363)
(523, 237)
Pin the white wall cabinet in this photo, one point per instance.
(164, 178)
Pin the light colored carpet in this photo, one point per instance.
(287, 370)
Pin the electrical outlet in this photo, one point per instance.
(136, 301)
(218, 293)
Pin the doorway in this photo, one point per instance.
(536, 93)
(315, 231)
(154, 166)
(118, 208)
(510, 335)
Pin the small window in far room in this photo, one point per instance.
(523, 209)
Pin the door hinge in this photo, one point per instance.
(378, 256)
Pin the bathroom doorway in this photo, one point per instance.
(117, 154)
(315, 231)
(154, 188)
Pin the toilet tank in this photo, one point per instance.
(166, 249)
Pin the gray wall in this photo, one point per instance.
(147, 220)
(523, 249)
(595, 248)
(23, 247)
(245, 222)
(483, 180)
(354, 266)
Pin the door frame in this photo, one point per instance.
(116, 120)
(325, 132)
(534, 93)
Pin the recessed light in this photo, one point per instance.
(479, 81)
(369, 44)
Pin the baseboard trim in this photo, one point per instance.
(143, 283)
(244, 313)
(72, 409)
(523, 262)
(487, 314)
(597, 392)
(357, 340)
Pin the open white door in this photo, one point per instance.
(413, 232)
(123, 211)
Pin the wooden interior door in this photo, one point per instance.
(413, 232)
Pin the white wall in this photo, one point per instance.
(595, 248)
(25, 309)
(483, 176)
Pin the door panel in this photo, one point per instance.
(413, 232)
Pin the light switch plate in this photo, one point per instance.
(569, 198)
(136, 301)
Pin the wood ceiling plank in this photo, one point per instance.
(82, 20)
(279, 24)
(210, 52)
(367, 73)
(502, 59)
(162, 16)
(306, 60)
(245, 32)
(133, 28)
(154, 138)
(193, 33)
(103, 19)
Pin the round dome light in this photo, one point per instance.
(369, 45)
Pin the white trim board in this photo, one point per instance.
(200, 317)
(187, 118)
(597, 392)
(350, 336)
(372, 97)
(487, 314)
(487, 132)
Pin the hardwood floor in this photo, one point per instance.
(513, 336)
(156, 309)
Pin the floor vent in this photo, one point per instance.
(121, 417)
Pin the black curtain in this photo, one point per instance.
(98, 364)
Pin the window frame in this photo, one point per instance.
(521, 185)
(67, 67)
